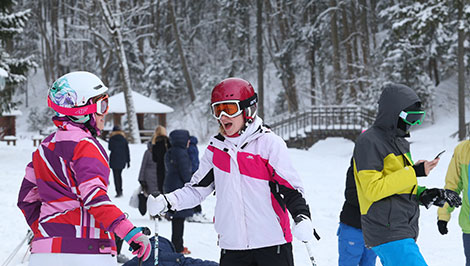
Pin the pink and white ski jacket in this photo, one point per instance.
(255, 185)
(64, 194)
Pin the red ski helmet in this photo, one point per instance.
(236, 90)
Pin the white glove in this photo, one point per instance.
(303, 228)
(158, 205)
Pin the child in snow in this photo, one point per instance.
(386, 180)
(457, 178)
(255, 183)
(64, 192)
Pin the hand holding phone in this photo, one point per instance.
(439, 154)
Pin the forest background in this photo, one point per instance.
(296, 53)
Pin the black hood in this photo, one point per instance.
(394, 99)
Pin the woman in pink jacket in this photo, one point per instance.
(249, 168)
(64, 192)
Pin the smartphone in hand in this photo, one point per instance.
(439, 154)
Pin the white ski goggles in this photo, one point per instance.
(229, 108)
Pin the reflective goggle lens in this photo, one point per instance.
(102, 104)
(230, 109)
(413, 117)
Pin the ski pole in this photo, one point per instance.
(155, 247)
(308, 245)
(310, 253)
(17, 248)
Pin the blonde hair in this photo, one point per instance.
(159, 131)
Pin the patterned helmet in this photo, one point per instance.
(75, 95)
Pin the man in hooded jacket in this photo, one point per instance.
(386, 179)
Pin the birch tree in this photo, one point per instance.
(114, 28)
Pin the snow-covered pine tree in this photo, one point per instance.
(418, 39)
(12, 66)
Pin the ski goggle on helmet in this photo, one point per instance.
(412, 117)
(78, 94)
(231, 97)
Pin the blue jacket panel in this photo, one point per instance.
(177, 166)
(193, 154)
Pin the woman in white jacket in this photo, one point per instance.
(249, 167)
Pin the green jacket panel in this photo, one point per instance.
(457, 180)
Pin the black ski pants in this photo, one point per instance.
(117, 175)
(280, 255)
(177, 229)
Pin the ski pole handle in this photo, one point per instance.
(308, 245)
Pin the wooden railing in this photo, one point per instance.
(322, 121)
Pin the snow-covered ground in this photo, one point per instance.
(322, 169)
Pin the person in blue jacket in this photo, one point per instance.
(198, 216)
(177, 173)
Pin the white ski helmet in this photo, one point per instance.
(75, 95)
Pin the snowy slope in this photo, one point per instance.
(322, 168)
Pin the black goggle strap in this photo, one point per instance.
(248, 102)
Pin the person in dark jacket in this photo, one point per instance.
(147, 176)
(178, 172)
(386, 179)
(119, 156)
(351, 247)
(160, 144)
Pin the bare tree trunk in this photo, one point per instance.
(115, 31)
(311, 57)
(461, 75)
(259, 51)
(374, 28)
(286, 67)
(355, 46)
(186, 74)
(347, 47)
(365, 32)
(336, 55)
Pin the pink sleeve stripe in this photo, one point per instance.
(30, 175)
(281, 180)
(90, 186)
(32, 196)
(283, 219)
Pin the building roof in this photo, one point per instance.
(142, 104)
(13, 112)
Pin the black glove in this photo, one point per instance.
(442, 226)
(452, 198)
(432, 196)
(438, 197)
